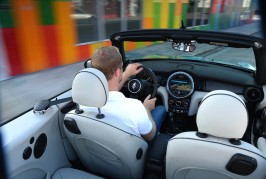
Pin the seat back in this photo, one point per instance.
(215, 151)
(104, 146)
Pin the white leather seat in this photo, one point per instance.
(215, 151)
(107, 148)
(71, 173)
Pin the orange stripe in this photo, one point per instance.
(66, 32)
(178, 8)
(130, 46)
(147, 23)
(89, 50)
(29, 34)
(83, 52)
(107, 43)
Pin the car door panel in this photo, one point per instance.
(28, 134)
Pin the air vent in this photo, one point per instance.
(162, 78)
(184, 66)
(163, 82)
(252, 94)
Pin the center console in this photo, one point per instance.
(180, 86)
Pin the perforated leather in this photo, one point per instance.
(90, 88)
(190, 155)
(70, 173)
(104, 146)
(222, 114)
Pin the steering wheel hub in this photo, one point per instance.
(134, 86)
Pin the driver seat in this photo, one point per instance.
(105, 147)
(215, 150)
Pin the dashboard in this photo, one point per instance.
(183, 84)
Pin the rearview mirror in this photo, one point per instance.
(184, 47)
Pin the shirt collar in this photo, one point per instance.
(115, 95)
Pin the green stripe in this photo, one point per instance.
(197, 28)
(171, 15)
(6, 18)
(157, 17)
(184, 13)
(227, 21)
(140, 44)
(204, 27)
(212, 21)
(46, 12)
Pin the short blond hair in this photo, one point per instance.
(107, 60)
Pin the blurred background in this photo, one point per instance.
(43, 43)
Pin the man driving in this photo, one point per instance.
(144, 118)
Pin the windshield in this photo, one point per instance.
(239, 57)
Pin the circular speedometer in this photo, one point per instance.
(180, 85)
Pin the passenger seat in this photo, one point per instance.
(69, 173)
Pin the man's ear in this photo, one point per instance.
(117, 72)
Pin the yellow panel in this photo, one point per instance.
(164, 14)
(95, 46)
(66, 32)
(177, 22)
(148, 8)
(30, 36)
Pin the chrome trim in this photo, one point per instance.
(129, 86)
(180, 73)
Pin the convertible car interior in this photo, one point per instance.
(212, 84)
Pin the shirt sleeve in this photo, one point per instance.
(143, 121)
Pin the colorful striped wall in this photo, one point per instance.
(39, 34)
(164, 13)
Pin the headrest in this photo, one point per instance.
(90, 88)
(222, 114)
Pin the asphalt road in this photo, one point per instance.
(21, 93)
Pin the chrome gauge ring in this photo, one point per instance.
(180, 85)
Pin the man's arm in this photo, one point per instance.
(152, 133)
(131, 69)
(149, 105)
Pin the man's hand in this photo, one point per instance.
(132, 69)
(149, 103)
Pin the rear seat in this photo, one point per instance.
(69, 173)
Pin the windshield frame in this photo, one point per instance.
(231, 39)
(208, 53)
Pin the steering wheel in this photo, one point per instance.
(142, 84)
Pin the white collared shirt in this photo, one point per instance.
(128, 111)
